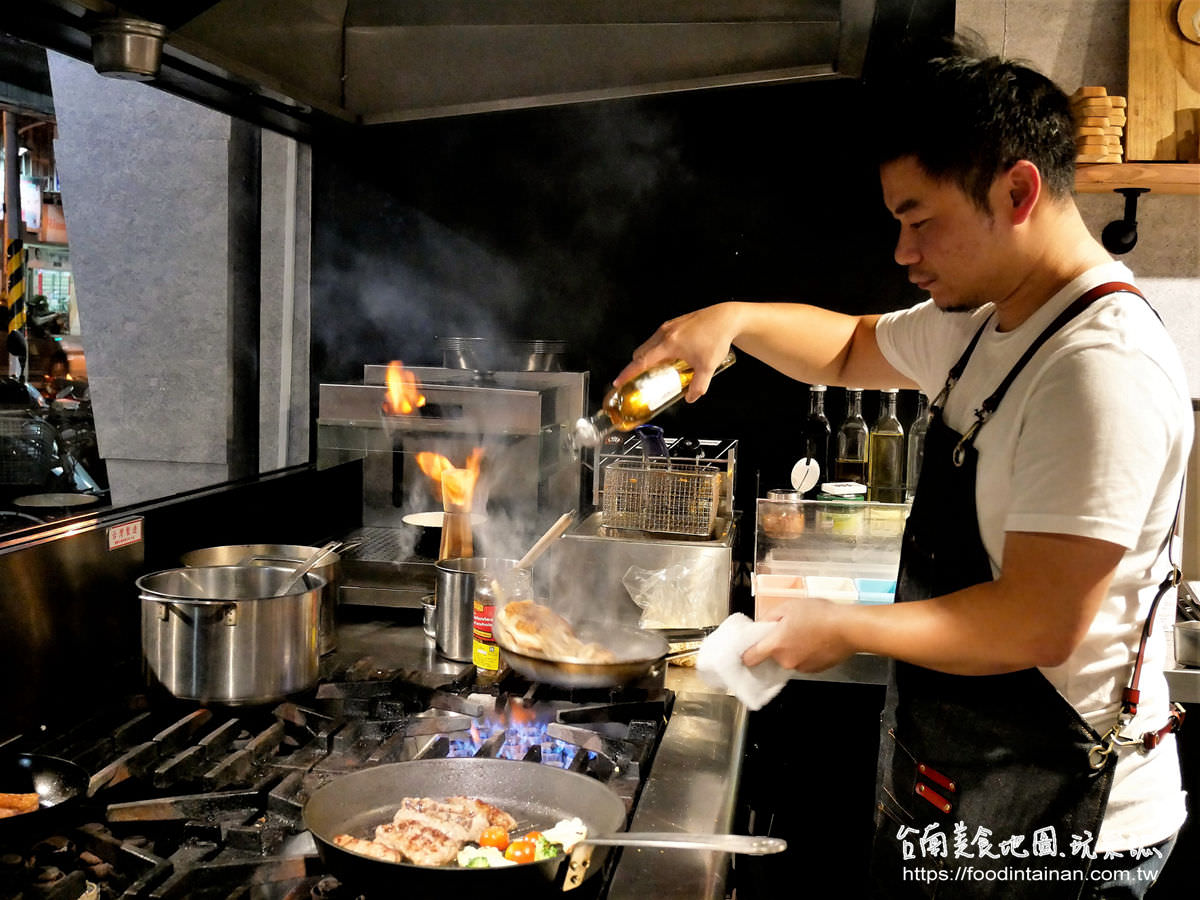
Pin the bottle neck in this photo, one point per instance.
(854, 405)
(816, 404)
(591, 430)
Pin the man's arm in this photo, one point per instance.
(1035, 614)
(805, 342)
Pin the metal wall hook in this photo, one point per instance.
(1120, 235)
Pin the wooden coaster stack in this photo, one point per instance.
(1099, 125)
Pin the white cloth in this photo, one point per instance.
(1092, 440)
(719, 662)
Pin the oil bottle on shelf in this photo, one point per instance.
(815, 439)
(853, 442)
(885, 474)
(916, 447)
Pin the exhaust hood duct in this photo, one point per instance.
(128, 48)
(303, 66)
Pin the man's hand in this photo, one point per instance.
(1035, 614)
(701, 339)
(803, 342)
(808, 638)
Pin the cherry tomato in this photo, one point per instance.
(494, 836)
(521, 851)
(534, 836)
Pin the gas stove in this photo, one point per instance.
(198, 801)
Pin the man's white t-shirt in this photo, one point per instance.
(1092, 439)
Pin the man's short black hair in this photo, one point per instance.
(967, 118)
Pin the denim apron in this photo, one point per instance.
(978, 776)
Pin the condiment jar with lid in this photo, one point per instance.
(493, 590)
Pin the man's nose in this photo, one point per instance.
(906, 249)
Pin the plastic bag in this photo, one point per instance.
(675, 597)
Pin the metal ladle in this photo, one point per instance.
(307, 566)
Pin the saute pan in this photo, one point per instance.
(59, 784)
(638, 651)
(535, 795)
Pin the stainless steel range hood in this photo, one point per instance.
(303, 65)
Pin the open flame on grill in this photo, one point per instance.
(457, 485)
(404, 395)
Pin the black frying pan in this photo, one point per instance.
(59, 783)
(535, 795)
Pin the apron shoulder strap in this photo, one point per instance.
(959, 367)
(1082, 302)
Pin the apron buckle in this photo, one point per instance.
(959, 456)
(1099, 753)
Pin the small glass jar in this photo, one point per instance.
(845, 503)
(783, 515)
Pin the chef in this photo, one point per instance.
(1026, 744)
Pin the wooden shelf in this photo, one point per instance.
(1161, 178)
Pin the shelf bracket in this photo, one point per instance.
(1120, 235)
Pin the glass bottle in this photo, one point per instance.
(816, 436)
(493, 590)
(853, 442)
(916, 447)
(885, 472)
(639, 400)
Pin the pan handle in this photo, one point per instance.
(748, 844)
(680, 635)
(581, 854)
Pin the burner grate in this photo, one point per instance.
(202, 802)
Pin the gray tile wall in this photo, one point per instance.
(1086, 42)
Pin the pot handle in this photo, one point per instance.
(226, 612)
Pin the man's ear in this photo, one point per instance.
(1024, 186)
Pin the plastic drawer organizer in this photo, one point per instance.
(846, 552)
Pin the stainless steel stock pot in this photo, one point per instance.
(218, 634)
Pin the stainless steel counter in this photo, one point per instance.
(693, 786)
(693, 781)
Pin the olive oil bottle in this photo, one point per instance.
(638, 400)
(853, 442)
(885, 473)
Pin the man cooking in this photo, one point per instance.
(1035, 545)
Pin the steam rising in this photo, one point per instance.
(479, 227)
